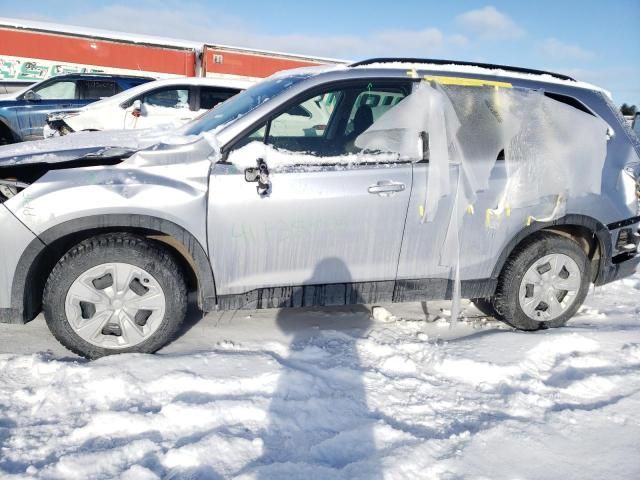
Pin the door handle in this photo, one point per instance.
(386, 188)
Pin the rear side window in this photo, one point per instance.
(211, 96)
(567, 100)
(96, 89)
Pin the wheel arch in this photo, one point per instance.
(7, 132)
(592, 235)
(43, 253)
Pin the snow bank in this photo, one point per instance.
(402, 398)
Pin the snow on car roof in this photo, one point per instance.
(479, 70)
(211, 81)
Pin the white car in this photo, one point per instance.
(172, 102)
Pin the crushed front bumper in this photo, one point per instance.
(624, 258)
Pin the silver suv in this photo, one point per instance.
(388, 180)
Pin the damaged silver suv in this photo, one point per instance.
(388, 180)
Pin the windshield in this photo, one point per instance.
(31, 86)
(243, 103)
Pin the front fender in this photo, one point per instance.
(175, 192)
(41, 252)
(8, 124)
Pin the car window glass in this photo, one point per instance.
(257, 135)
(210, 97)
(99, 88)
(168, 98)
(57, 91)
(328, 124)
(243, 103)
(377, 102)
(306, 119)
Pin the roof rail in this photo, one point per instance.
(431, 61)
(104, 75)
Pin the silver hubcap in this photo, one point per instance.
(549, 287)
(115, 305)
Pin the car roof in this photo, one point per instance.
(239, 83)
(94, 75)
(416, 68)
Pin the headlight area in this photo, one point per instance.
(10, 187)
(14, 179)
(56, 122)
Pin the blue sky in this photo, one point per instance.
(593, 40)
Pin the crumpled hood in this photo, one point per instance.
(82, 144)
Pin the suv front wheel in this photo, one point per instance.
(115, 293)
(544, 283)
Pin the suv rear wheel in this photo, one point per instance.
(485, 306)
(544, 283)
(115, 293)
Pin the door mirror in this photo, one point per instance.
(610, 133)
(259, 174)
(31, 96)
(251, 174)
(136, 108)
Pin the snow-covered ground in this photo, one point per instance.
(332, 393)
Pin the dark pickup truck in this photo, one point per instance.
(23, 114)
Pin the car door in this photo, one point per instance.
(57, 94)
(329, 202)
(169, 105)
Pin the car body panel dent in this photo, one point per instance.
(172, 191)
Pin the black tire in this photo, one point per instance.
(121, 248)
(485, 305)
(506, 300)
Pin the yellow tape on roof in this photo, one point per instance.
(467, 82)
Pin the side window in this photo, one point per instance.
(308, 119)
(65, 90)
(211, 96)
(375, 102)
(96, 89)
(329, 123)
(172, 97)
(258, 135)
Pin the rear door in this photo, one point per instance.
(334, 212)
